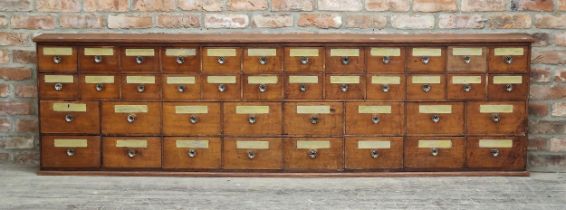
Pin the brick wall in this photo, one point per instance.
(20, 20)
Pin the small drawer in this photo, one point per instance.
(426, 87)
(385, 60)
(100, 87)
(221, 60)
(263, 87)
(141, 87)
(374, 153)
(181, 153)
(70, 152)
(508, 59)
(314, 118)
(435, 118)
(430, 153)
(322, 154)
(429, 59)
(249, 118)
(131, 118)
(304, 87)
(496, 118)
(390, 87)
(467, 59)
(344, 87)
(262, 60)
(466, 87)
(70, 117)
(180, 60)
(191, 118)
(57, 59)
(502, 153)
(98, 59)
(181, 87)
(225, 87)
(374, 118)
(345, 60)
(300, 59)
(131, 152)
(256, 153)
(140, 60)
(58, 86)
(508, 87)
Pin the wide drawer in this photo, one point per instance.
(434, 153)
(69, 117)
(503, 117)
(313, 118)
(252, 118)
(130, 118)
(322, 154)
(374, 153)
(131, 152)
(181, 153)
(70, 152)
(57, 59)
(435, 118)
(374, 118)
(252, 153)
(191, 118)
(499, 153)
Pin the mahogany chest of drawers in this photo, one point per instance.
(247, 105)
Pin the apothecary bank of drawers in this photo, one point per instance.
(283, 103)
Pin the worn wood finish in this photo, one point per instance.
(457, 63)
(252, 64)
(389, 91)
(180, 64)
(252, 158)
(47, 63)
(395, 64)
(253, 91)
(145, 123)
(70, 158)
(415, 90)
(377, 123)
(148, 64)
(175, 158)
(484, 158)
(181, 91)
(422, 159)
(252, 123)
(107, 91)
(232, 91)
(54, 121)
(106, 64)
(334, 91)
(419, 123)
(47, 90)
(117, 157)
(343, 63)
(313, 64)
(327, 159)
(514, 122)
(416, 64)
(500, 92)
(131, 91)
(457, 91)
(302, 124)
(229, 64)
(519, 63)
(312, 91)
(180, 124)
(361, 158)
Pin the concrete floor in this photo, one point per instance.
(20, 188)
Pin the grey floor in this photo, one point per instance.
(20, 188)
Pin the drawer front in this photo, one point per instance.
(226, 87)
(262, 60)
(426, 87)
(100, 87)
(141, 87)
(374, 118)
(302, 59)
(466, 87)
(180, 60)
(386, 87)
(313, 118)
(131, 152)
(181, 153)
(496, 118)
(508, 59)
(252, 153)
(504, 153)
(434, 153)
(263, 87)
(369, 153)
(98, 59)
(508, 87)
(57, 59)
(131, 118)
(426, 59)
(221, 60)
(467, 59)
(385, 59)
(181, 87)
(307, 87)
(70, 152)
(58, 86)
(140, 59)
(344, 87)
(249, 118)
(435, 118)
(70, 117)
(191, 118)
(323, 154)
(345, 60)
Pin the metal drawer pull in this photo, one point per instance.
(425, 60)
(426, 88)
(467, 88)
(508, 87)
(181, 88)
(434, 152)
(252, 120)
(139, 59)
(345, 60)
(221, 60)
(303, 88)
(192, 153)
(314, 120)
(262, 60)
(385, 88)
(375, 119)
(57, 59)
(467, 59)
(97, 59)
(180, 60)
(495, 118)
(131, 153)
(494, 153)
(58, 86)
(99, 87)
(71, 152)
(344, 88)
(193, 119)
(131, 118)
(222, 88)
(304, 60)
(251, 155)
(312, 153)
(386, 60)
(508, 59)
(374, 154)
(140, 88)
(262, 88)
(69, 118)
(435, 118)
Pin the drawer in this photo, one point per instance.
(252, 153)
(131, 118)
(58, 86)
(98, 59)
(262, 60)
(181, 153)
(100, 87)
(191, 118)
(131, 152)
(466, 87)
(180, 60)
(496, 118)
(369, 153)
(140, 60)
(506, 153)
(385, 60)
(345, 60)
(263, 87)
(430, 153)
(70, 117)
(467, 59)
(374, 118)
(426, 59)
(181, 87)
(221, 60)
(302, 59)
(70, 152)
(344, 87)
(57, 59)
(509, 59)
(141, 87)
(225, 87)
(307, 87)
(389, 87)
(249, 118)
(313, 118)
(435, 118)
(508, 87)
(426, 87)
(322, 154)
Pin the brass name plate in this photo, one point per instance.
(467, 51)
(70, 143)
(425, 79)
(385, 80)
(374, 144)
(58, 78)
(140, 79)
(435, 144)
(262, 79)
(435, 109)
(385, 51)
(507, 79)
(262, 52)
(69, 107)
(432, 52)
(99, 79)
(140, 52)
(313, 144)
(130, 143)
(303, 52)
(181, 80)
(496, 108)
(130, 109)
(195, 144)
(191, 109)
(466, 79)
(221, 79)
(374, 109)
(180, 52)
(344, 79)
(57, 51)
(496, 143)
(252, 144)
(226, 52)
(313, 109)
(345, 52)
(252, 109)
(303, 79)
(99, 51)
(509, 51)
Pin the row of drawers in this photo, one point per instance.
(278, 87)
(332, 154)
(289, 118)
(64, 59)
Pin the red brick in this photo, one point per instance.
(340, 5)
(4, 21)
(178, 21)
(153, 5)
(25, 90)
(538, 109)
(412, 21)
(106, 5)
(5, 124)
(201, 5)
(4, 56)
(541, 39)
(26, 125)
(559, 109)
(560, 39)
(483, 5)
(15, 108)
(537, 144)
(4, 90)
(272, 21)
(26, 157)
(550, 21)
(541, 73)
(292, 5)
(548, 56)
(434, 5)
(15, 5)
(9, 38)
(4, 156)
(562, 5)
(509, 21)
(547, 162)
(546, 92)
(33, 22)
(365, 21)
(126, 21)
(226, 21)
(16, 73)
(320, 20)
(547, 127)
(557, 144)
(82, 21)
(455, 21)
(532, 5)
(388, 5)
(17, 142)
(247, 5)
(58, 5)
(23, 56)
